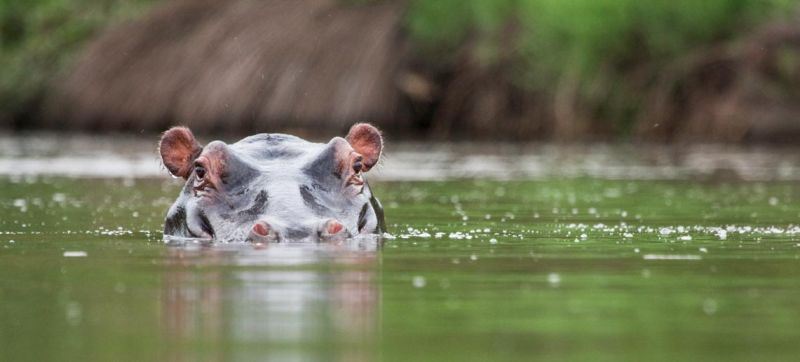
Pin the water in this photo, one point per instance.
(587, 266)
(129, 156)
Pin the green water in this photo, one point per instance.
(473, 270)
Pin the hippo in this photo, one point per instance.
(273, 187)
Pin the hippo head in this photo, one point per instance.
(273, 187)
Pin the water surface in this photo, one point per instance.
(470, 270)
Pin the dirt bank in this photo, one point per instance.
(320, 65)
(240, 65)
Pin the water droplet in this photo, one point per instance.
(418, 281)
(22, 204)
(553, 279)
(75, 254)
(59, 197)
(709, 306)
(73, 313)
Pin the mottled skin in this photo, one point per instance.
(273, 187)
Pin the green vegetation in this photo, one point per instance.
(608, 50)
(607, 54)
(584, 36)
(38, 38)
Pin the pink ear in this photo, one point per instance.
(178, 150)
(366, 140)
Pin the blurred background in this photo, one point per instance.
(566, 179)
(582, 70)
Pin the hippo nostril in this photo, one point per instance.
(263, 232)
(332, 230)
(334, 227)
(261, 229)
(200, 171)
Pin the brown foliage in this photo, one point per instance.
(321, 65)
(240, 65)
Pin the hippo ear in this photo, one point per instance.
(366, 140)
(178, 149)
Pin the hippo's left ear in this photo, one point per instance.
(366, 140)
(178, 149)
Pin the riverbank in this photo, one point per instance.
(716, 71)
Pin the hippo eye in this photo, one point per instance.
(357, 164)
(200, 171)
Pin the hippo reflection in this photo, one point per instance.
(273, 187)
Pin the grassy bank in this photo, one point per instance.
(39, 38)
(603, 54)
(587, 37)
(517, 69)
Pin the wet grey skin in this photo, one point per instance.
(273, 187)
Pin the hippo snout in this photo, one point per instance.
(324, 230)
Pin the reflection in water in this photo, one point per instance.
(286, 302)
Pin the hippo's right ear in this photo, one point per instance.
(178, 149)
(367, 141)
